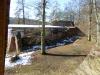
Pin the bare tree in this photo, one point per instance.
(21, 10)
(18, 11)
(79, 6)
(23, 7)
(90, 19)
(55, 11)
(70, 11)
(97, 22)
(38, 9)
(43, 27)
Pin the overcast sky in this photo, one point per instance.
(13, 6)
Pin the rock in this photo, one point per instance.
(14, 59)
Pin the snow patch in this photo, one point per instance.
(25, 59)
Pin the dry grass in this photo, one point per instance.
(79, 47)
(48, 65)
(57, 62)
(90, 66)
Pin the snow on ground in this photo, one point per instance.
(25, 59)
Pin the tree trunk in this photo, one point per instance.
(43, 28)
(97, 23)
(23, 11)
(90, 19)
(79, 13)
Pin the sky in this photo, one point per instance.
(32, 14)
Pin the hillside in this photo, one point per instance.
(27, 21)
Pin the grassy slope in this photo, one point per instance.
(91, 64)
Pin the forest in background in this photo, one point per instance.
(84, 13)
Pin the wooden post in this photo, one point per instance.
(4, 16)
(43, 28)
